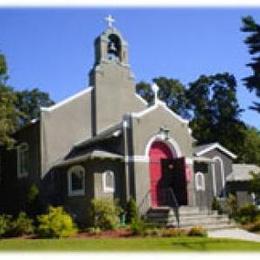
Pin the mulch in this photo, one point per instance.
(118, 233)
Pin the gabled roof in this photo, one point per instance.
(202, 149)
(67, 100)
(95, 154)
(162, 104)
(241, 172)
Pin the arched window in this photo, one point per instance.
(22, 160)
(76, 181)
(200, 181)
(219, 164)
(108, 181)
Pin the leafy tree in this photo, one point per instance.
(171, 91)
(145, 91)
(8, 112)
(29, 103)
(216, 112)
(251, 146)
(253, 42)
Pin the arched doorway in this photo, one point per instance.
(166, 170)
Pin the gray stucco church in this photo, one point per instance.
(106, 142)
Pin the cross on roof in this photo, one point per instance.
(110, 20)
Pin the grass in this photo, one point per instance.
(185, 244)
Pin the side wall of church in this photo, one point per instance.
(64, 126)
(13, 190)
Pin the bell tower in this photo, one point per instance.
(112, 79)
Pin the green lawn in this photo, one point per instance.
(129, 244)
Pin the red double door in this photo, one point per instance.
(166, 171)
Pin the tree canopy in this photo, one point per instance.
(171, 91)
(17, 108)
(252, 82)
(29, 103)
(8, 112)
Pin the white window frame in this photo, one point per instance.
(22, 148)
(71, 170)
(106, 188)
(200, 187)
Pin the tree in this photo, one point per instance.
(216, 112)
(8, 112)
(251, 146)
(29, 103)
(171, 91)
(253, 42)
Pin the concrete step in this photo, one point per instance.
(189, 216)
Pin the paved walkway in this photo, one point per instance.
(235, 233)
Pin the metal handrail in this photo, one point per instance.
(175, 206)
(145, 202)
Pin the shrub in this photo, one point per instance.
(197, 231)
(137, 227)
(22, 225)
(173, 232)
(216, 205)
(152, 232)
(131, 211)
(232, 206)
(254, 227)
(247, 214)
(33, 205)
(5, 224)
(56, 223)
(105, 214)
(94, 231)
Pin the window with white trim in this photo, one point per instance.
(200, 181)
(108, 181)
(22, 160)
(76, 181)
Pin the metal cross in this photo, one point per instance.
(110, 20)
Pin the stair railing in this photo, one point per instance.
(173, 203)
(144, 204)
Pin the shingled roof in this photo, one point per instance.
(241, 172)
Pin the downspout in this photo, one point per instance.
(126, 157)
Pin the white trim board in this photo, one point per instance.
(216, 146)
(141, 99)
(67, 100)
(155, 106)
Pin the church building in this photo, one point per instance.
(107, 142)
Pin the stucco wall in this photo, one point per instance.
(144, 129)
(114, 94)
(227, 163)
(13, 191)
(64, 126)
(79, 206)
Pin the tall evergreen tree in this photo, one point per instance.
(216, 112)
(253, 42)
(8, 112)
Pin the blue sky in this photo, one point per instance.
(52, 49)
